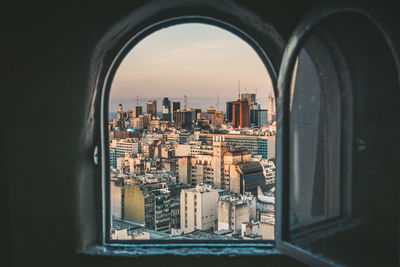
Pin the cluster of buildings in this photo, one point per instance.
(245, 112)
(192, 174)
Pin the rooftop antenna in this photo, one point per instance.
(137, 100)
(217, 101)
(185, 101)
(238, 88)
(255, 98)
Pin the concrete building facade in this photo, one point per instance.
(122, 146)
(148, 203)
(152, 108)
(257, 145)
(235, 209)
(199, 208)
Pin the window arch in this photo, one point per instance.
(363, 53)
(111, 50)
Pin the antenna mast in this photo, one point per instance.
(217, 101)
(137, 100)
(238, 88)
(185, 101)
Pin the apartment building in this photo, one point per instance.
(148, 204)
(198, 208)
(235, 209)
(121, 146)
(257, 145)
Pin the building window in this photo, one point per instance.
(327, 95)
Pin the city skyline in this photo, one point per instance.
(192, 59)
(192, 145)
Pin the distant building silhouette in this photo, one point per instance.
(174, 107)
(166, 109)
(137, 111)
(229, 107)
(152, 107)
(184, 118)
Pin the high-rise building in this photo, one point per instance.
(113, 157)
(199, 208)
(257, 145)
(217, 119)
(137, 123)
(120, 117)
(197, 111)
(166, 109)
(137, 111)
(174, 107)
(261, 117)
(120, 113)
(184, 169)
(148, 204)
(122, 146)
(229, 108)
(235, 209)
(215, 164)
(240, 114)
(253, 114)
(184, 118)
(175, 215)
(270, 107)
(249, 97)
(152, 107)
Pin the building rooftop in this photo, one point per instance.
(202, 188)
(135, 227)
(205, 235)
(223, 232)
(236, 151)
(247, 167)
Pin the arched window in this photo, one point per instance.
(337, 192)
(111, 51)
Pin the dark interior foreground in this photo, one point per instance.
(48, 190)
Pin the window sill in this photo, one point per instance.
(224, 249)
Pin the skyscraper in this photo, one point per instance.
(197, 111)
(253, 114)
(152, 107)
(136, 111)
(240, 114)
(184, 118)
(229, 108)
(174, 107)
(261, 117)
(166, 109)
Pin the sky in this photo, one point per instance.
(197, 60)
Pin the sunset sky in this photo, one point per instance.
(196, 60)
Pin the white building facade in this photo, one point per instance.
(199, 208)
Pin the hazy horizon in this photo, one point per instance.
(197, 60)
